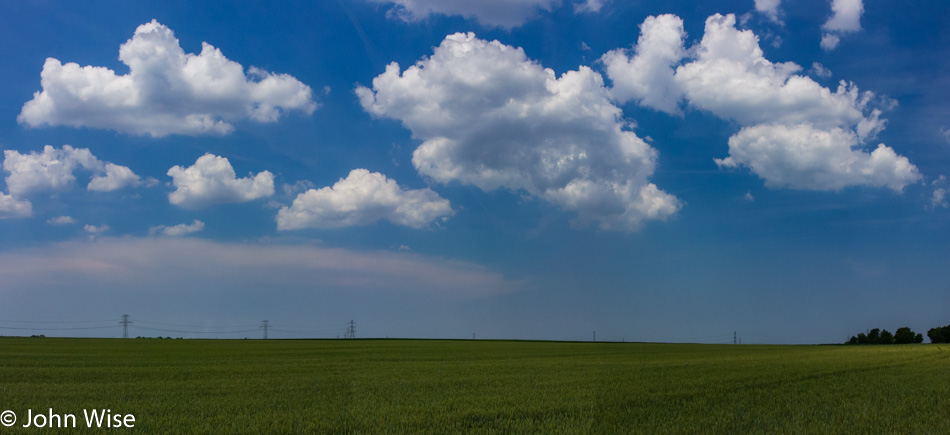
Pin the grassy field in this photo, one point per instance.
(373, 386)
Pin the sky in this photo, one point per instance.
(508, 169)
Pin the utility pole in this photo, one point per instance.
(264, 327)
(733, 337)
(125, 325)
(351, 331)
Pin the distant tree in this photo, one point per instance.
(939, 334)
(853, 340)
(886, 337)
(862, 339)
(919, 338)
(905, 335)
(874, 336)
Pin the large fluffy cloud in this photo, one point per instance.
(53, 169)
(782, 111)
(211, 180)
(362, 198)
(490, 117)
(166, 91)
(493, 13)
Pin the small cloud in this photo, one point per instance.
(362, 198)
(777, 41)
(819, 70)
(54, 168)
(584, 46)
(945, 132)
(939, 197)
(845, 18)
(11, 207)
(829, 41)
(770, 8)
(589, 6)
(211, 180)
(506, 14)
(95, 231)
(299, 186)
(177, 230)
(61, 220)
(748, 196)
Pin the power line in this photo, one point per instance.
(57, 329)
(197, 332)
(265, 326)
(244, 325)
(61, 321)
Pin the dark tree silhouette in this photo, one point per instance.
(886, 337)
(905, 335)
(939, 334)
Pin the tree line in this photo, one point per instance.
(904, 335)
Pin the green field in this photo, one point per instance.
(373, 386)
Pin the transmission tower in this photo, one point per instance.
(595, 336)
(264, 327)
(125, 325)
(351, 330)
(733, 337)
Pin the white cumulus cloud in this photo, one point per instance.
(167, 91)
(845, 18)
(490, 117)
(177, 230)
(727, 74)
(492, 13)
(211, 180)
(647, 77)
(363, 198)
(804, 157)
(54, 169)
(11, 207)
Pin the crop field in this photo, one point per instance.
(435, 386)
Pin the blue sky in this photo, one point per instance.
(514, 169)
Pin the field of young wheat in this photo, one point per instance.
(235, 386)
